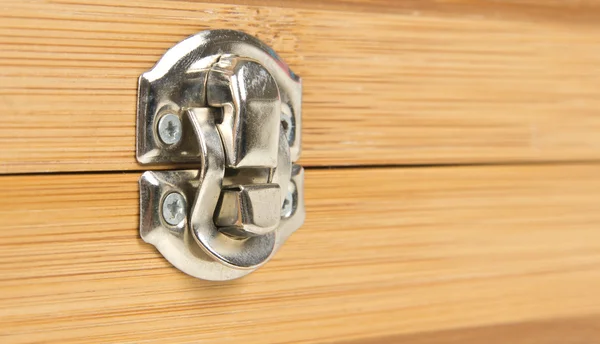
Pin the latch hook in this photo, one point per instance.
(224, 101)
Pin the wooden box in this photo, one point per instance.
(452, 179)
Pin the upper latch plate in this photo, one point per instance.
(224, 103)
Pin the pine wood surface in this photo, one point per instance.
(425, 82)
(419, 255)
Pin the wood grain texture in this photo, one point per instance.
(576, 330)
(586, 10)
(437, 87)
(384, 253)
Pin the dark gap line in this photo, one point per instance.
(321, 168)
(446, 165)
(79, 173)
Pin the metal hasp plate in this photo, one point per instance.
(224, 104)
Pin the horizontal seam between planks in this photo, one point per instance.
(342, 167)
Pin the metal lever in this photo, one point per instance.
(250, 130)
(237, 116)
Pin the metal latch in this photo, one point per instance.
(227, 108)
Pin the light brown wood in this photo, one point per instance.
(472, 254)
(442, 85)
(383, 253)
(576, 330)
(586, 10)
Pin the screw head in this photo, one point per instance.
(286, 123)
(169, 129)
(288, 126)
(288, 205)
(173, 208)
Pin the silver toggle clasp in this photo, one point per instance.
(250, 129)
(224, 103)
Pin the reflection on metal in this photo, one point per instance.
(224, 103)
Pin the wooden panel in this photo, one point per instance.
(578, 330)
(384, 88)
(588, 10)
(384, 252)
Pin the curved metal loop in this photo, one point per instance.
(177, 244)
(238, 253)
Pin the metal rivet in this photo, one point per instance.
(169, 129)
(173, 208)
